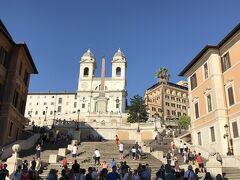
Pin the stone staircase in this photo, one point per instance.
(231, 173)
(108, 150)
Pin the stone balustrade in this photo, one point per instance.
(25, 144)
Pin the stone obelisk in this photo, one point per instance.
(101, 99)
(102, 86)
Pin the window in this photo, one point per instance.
(212, 134)
(118, 71)
(193, 80)
(196, 110)
(209, 103)
(184, 107)
(59, 100)
(37, 103)
(117, 105)
(205, 69)
(199, 138)
(52, 103)
(225, 61)
(52, 96)
(10, 129)
(178, 114)
(45, 103)
(178, 106)
(173, 98)
(43, 112)
(167, 104)
(1, 92)
(20, 69)
(168, 112)
(4, 57)
(235, 129)
(174, 113)
(36, 112)
(75, 104)
(15, 99)
(17, 133)
(75, 96)
(153, 109)
(230, 96)
(26, 78)
(159, 109)
(59, 109)
(83, 105)
(86, 72)
(166, 96)
(172, 104)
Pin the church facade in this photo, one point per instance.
(92, 94)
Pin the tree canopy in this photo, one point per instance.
(137, 111)
(162, 74)
(184, 122)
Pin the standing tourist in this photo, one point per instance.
(181, 147)
(134, 152)
(121, 150)
(173, 148)
(116, 140)
(113, 163)
(74, 151)
(169, 157)
(38, 151)
(97, 156)
(113, 175)
(4, 172)
(199, 160)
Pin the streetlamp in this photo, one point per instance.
(226, 136)
(46, 114)
(138, 116)
(78, 119)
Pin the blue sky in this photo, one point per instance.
(151, 34)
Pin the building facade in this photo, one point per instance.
(16, 65)
(166, 100)
(214, 95)
(82, 104)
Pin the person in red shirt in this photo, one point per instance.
(64, 162)
(199, 160)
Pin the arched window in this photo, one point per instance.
(86, 71)
(118, 71)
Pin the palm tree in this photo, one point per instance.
(163, 75)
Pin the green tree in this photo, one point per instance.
(162, 74)
(184, 122)
(137, 111)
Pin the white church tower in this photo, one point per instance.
(87, 71)
(119, 65)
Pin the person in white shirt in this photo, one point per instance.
(134, 151)
(97, 156)
(74, 151)
(121, 150)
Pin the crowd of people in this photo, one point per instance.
(114, 170)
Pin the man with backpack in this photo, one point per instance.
(169, 157)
